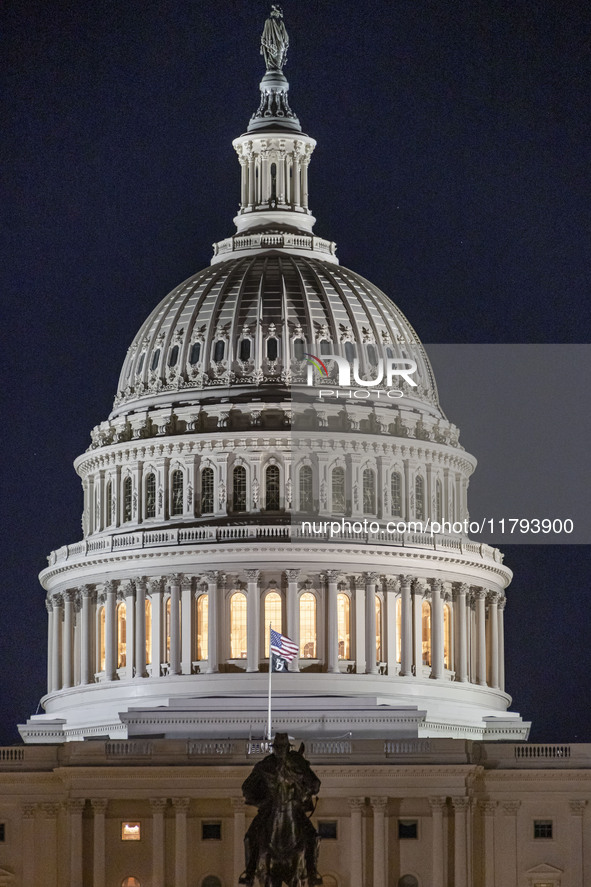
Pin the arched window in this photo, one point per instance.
(127, 500)
(218, 351)
(398, 630)
(329, 881)
(438, 501)
(239, 488)
(306, 491)
(102, 646)
(148, 609)
(207, 491)
(389, 353)
(308, 626)
(202, 626)
(452, 501)
(238, 626)
(338, 490)
(350, 351)
(109, 504)
(299, 349)
(447, 636)
(344, 625)
(325, 346)
(173, 356)
(272, 348)
(167, 628)
(244, 352)
(419, 498)
(396, 494)
(140, 365)
(372, 355)
(155, 359)
(151, 495)
(426, 632)
(378, 629)
(130, 882)
(121, 635)
(369, 491)
(176, 491)
(211, 881)
(272, 617)
(272, 498)
(195, 353)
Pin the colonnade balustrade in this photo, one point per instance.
(404, 627)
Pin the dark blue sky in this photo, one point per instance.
(452, 169)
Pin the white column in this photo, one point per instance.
(417, 616)
(332, 659)
(239, 807)
(501, 634)
(75, 809)
(379, 841)
(577, 809)
(392, 590)
(174, 583)
(253, 642)
(281, 177)
(57, 602)
(437, 807)
(295, 178)
(140, 627)
(460, 806)
(462, 638)
(243, 181)
(181, 806)
(371, 666)
(186, 625)
(405, 626)
(68, 661)
(49, 608)
(360, 654)
(86, 594)
(129, 591)
(156, 597)
(110, 631)
(305, 164)
(493, 621)
(437, 668)
(158, 807)
(293, 622)
(99, 806)
(356, 806)
(251, 180)
(488, 821)
(480, 602)
(212, 622)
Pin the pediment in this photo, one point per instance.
(544, 869)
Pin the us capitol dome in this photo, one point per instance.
(212, 490)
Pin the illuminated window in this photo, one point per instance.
(109, 504)
(338, 490)
(202, 626)
(438, 502)
(306, 493)
(419, 498)
(378, 629)
(173, 356)
(426, 632)
(176, 501)
(151, 495)
(195, 353)
(239, 488)
(369, 491)
(396, 494)
(148, 608)
(272, 488)
(167, 629)
(218, 351)
(272, 348)
(207, 491)
(127, 499)
(121, 635)
(272, 617)
(131, 831)
(102, 639)
(398, 630)
(447, 636)
(238, 626)
(308, 626)
(344, 625)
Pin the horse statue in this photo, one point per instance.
(281, 845)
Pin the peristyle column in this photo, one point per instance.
(68, 662)
(493, 621)
(140, 627)
(212, 617)
(480, 603)
(252, 621)
(333, 627)
(437, 630)
(293, 623)
(87, 595)
(371, 666)
(110, 631)
(174, 583)
(462, 628)
(405, 626)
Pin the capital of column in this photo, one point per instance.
(186, 582)
(510, 808)
(479, 594)
(48, 605)
(238, 804)
(140, 582)
(50, 811)
(28, 811)
(577, 807)
(211, 577)
(173, 579)
(437, 586)
(371, 578)
(488, 807)
(58, 601)
(99, 805)
(356, 803)
(332, 575)
(181, 805)
(502, 602)
(493, 597)
(417, 586)
(393, 584)
(460, 804)
(127, 589)
(110, 587)
(156, 585)
(379, 803)
(438, 802)
(75, 805)
(70, 596)
(158, 805)
(406, 581)
(253, 575)
(87, 591)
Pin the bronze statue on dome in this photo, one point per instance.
(274, 40)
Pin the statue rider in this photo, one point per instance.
(274, 40)
(284, 769)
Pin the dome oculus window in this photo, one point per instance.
(372, 355)
(350, 351)
(325, 346)
(140, 365)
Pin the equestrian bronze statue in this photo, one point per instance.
(281, 845)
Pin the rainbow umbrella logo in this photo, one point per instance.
(316, 362)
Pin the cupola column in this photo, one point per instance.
(461, 615)
(174, 582)
(56, 646)
(417, 611)
(480, 603)
(437, 652)
(333, 628)
(501, 634)
(110, 631)
(140, 627)
(293, 623)
(187, 625)
(493, 622)
(251, 180)
(49, 608)
(69, 598)
(87, 595)
(156, 596)
(129, 591)
(405, 627)
(371, 666)
(253, 633)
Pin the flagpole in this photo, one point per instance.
(270, 673)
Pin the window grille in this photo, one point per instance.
(177, 492)
(127, 500)
(239, 488)
(207, 491)
(396, 494)
(338, 490)
(419, 498)
(151, 495)
(272, 497)
(369, 491)
(306, 491)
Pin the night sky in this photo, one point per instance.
(452, 169)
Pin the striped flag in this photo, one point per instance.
(283, 646)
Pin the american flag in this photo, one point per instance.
(283, 646)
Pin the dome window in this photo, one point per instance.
(272, 496)
(419, 498)
(372, 355)
(176, 504)
(396, 494)
(447, 636)
(121, 635)
(350, 351)
(148, 612)
(438, 501)
(378, 630)
(109, 504)
(244, 352)
(239, 488)
(195, 353)
(218, 351)
(272, 348)
(127, 500)
(173, 356)
(140, 365)
(299, 349)
(207, 491)
(325, 346)
(306, 489)
(369, 491)
(151, 495)
(155, 360)
(338, 492)
(426, 632)
(389, 353)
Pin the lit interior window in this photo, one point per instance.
(344, 629)
(272, 617)
(202, 626)
(167, 621)
(426, 637)
(378, 630)
(398, 630)
(308, 626)
(121, 635)
(238, 626)
(447, 636)
(131, 831)
(148, 632)
(102, 639)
